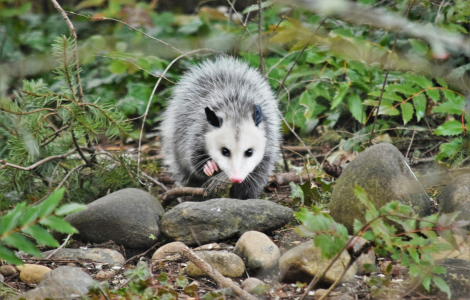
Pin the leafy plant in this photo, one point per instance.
(22, 222)
(393, 230)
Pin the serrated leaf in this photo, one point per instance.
(449, 238)
(420, 80)
(419, 102)
(442, 285)
(48, 206)
(449, 128)
(58, 224)
(450, 107)
(69, 208)
(20, 242)
(11, 219)
(419, 47)
(388, 110)
(427, 282)
(434, 95)
(442, 82)
(9, 256)
(355, 107)
(340, 94)
(439, 270)
(42, 236)
(29, 215)
(405, 89)
(406, 111)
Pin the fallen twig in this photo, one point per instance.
(182, 191)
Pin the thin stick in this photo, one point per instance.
(35, 165)
(409, 146)
(154, 180)
(386, 76)
(68, 175)
(61, 246)
(298, 137)
(261, 69)
(74, 34)
(243, 24)
(298, 56)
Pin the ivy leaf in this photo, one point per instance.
(355, 107)
(442, 285)
(419, 102)
(449, 128)
(407, 111)
(340, 94)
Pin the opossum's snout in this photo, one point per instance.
(236, 177)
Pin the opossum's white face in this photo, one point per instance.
(237, 151)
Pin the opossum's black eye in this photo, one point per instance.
(225, 152)
(249, 152)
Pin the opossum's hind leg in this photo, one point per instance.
(244, 191)
(210, 168)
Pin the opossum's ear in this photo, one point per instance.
(212, 118)
(257, 115)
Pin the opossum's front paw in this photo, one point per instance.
(210, 168)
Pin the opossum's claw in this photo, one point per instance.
(210, 168)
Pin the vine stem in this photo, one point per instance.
(386, 76)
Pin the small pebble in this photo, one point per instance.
(103, 275)
(7, 270)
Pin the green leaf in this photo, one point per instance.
(11, 219)
(30, 215)
(419, 80)
(48, 206)
(355, 107)
(427, 282)
(419, 102)
(118, 67)
(340, 94)
(20, 242)
(9, 256)
(69, 208)
(407, 111)
(442, 82)
(388, 110)
(41, 236)
(449, 237)
(434, 95)
(59, 225)
(357, 226)
(312, 108)
(442, 285)
(419, 47)
(450, 107)
(449, 128)
(439, 270)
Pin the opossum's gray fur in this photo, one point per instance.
(224, 84)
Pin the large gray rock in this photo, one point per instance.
(61, 283)
(219, 219)
(457, 278)
(305, 261)
(456, 197)
(128, 217)
(383, 173)
(107, 256)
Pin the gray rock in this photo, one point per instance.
(365, 258)
(61, 283)
(385, 176)
(7, 270)
(303, 262)
(457, 278)
(128, 217)
(259, 252)
(456, 197)
(106, 256)
(228, 264)
(70, 277)
(220, 219)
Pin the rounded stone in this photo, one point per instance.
(219, 219)
(128, 217)
(305, 261)
(70, 277)
(7, 270)
(228, 264)
(365, 258)
(254, 286)
(456, 197)
(383, 173)
(106, 256)
(32, 274)
(104, 275)
(259, 252)
(169, 250)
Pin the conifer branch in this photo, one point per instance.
(66, 68)
(78, 148)
(27, 113)
(74, 35)
(35, 165)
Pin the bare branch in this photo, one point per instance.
(35, 165)
(154, 180)
(182, 191)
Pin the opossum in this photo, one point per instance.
(222, 118)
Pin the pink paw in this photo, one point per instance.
(210, 168)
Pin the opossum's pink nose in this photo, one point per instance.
(236, 178)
